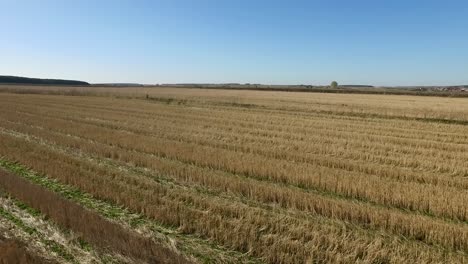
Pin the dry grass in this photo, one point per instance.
(13, 251)
(16, 251)
(87, 224)
(287, 177)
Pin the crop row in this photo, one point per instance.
(449, 202)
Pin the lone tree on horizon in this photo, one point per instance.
(334, 85)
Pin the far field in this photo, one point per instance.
(181, 175)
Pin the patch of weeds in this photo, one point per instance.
(83, 244)
(28, 209)
(17, 222)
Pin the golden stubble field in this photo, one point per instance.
(257, 176)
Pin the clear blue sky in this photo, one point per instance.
(391, 42)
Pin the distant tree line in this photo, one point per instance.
(356, 85)
(24, 80)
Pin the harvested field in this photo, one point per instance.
(246, 176)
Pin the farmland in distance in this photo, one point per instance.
(226, 176)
